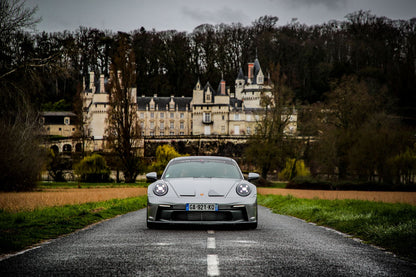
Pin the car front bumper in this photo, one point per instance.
(234, 214)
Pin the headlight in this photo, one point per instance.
(160, 189)
(243, 189)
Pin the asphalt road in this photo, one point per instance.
(280, 246)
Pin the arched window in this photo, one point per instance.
(78, 147)
(55, 149)
(67, 148)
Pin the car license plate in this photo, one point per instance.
(201, 207)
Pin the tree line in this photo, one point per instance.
(170, 62)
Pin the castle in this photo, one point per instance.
(208, 112)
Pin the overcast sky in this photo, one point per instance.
(185, 15)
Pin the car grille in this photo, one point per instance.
(180, 215)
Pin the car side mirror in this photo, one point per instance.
(253, 176)
(151, 177)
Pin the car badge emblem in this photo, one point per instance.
(202, 194)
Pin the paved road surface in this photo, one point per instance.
(281, 246)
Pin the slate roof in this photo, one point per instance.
(53, 117)
(181, 102)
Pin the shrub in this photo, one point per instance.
(57, 165)
(294, 168)
(164, 154)
(93, 169)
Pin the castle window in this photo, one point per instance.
(162, 125)
(152, 115)
(237, 116)
(172, 125)
(207, 117)
(162, 115)
(182, 115)
(172, 115)
(182, 126)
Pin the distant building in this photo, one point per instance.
(59, 123)
(225, 111)
(165, 116)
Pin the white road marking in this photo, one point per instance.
(211, 243)
(212, 262)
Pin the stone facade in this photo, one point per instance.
(225, 111)
(59, 123)
(164, 116)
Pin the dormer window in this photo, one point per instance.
(260, 80)
(66, 121)
(208, 97)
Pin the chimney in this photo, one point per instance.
(250, 71)
(119, 78)
(222, 87)
(102, 89)
(91, 81)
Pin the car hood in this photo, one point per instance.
(213, 187)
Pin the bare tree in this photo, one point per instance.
(21, 157)
(267, 147)
(123, 129)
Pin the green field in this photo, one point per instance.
(22, 229)
(390, 226)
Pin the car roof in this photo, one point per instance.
(203, 158)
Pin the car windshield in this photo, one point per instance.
(202, 169)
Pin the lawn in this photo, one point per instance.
(390, 226)
(19, 230)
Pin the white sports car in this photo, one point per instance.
(202, 191)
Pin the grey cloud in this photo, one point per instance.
(330, 4)
(224, 14)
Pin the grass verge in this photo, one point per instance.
(390, 226)
(22, 229)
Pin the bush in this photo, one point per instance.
(294, 168)
(93, 169)
(164, 154)
(57, 166)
